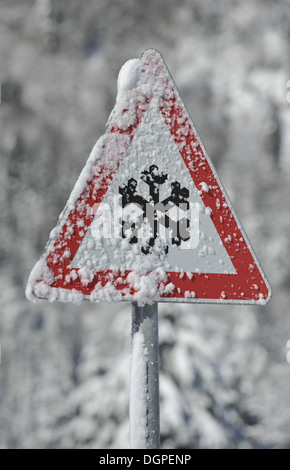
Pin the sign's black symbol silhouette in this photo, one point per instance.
(154, 211)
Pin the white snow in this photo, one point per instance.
(204, 187)
(208, 211)
(86, 275)
(138, 394)
(40, 271)
(128, 75)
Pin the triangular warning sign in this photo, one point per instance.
(148, 219)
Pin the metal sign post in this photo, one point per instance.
(144, 401)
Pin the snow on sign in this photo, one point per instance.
(148, 219)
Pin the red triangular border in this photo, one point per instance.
(247, 286)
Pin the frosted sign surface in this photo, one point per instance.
(103, 246)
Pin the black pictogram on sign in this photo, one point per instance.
(155, 212)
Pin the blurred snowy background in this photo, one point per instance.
(64, 377)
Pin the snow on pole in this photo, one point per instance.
(144, 388)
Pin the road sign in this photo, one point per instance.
(149, 219)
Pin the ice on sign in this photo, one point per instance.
(148, 219)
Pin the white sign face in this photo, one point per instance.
(148, 219)
(103, 246)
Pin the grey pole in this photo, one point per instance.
(144, 388)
